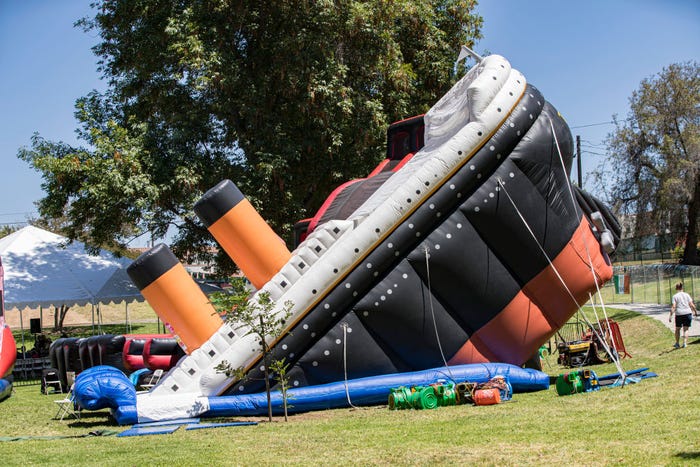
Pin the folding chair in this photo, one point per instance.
(50, 379)
(67, 407)
(153, 380)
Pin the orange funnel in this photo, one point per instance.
(242, 233)
(175, 296)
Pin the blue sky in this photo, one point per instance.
(586, 57)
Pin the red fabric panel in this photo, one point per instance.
(522, 326)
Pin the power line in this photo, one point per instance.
(591, 144)
(592, 124)
(594, 153)
(17, 213)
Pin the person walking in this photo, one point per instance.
(683, 307)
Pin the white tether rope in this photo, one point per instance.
(613, 356)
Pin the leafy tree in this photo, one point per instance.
(656, 155)
(6, 230)
(286, 98)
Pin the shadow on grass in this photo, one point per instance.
(102, 422)
(687, 455)
(93, 419)
(667, 351)
(673, 349)
(624, 315)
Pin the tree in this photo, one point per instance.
(279, 368)
(656, 155)
(256, 316)
(59, 316)
(7, 229)
(288, 99)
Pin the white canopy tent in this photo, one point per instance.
(43, 269)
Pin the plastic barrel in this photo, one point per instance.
(400, 398)
(489, 396)
(425, 398)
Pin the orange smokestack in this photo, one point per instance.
(242, 233)
(175, 296)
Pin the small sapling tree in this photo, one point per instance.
(256, 316)
(279, 369)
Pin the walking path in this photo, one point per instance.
(659, 312)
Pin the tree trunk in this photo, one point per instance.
(690, 254)
(58, 317)
(267, 385)
(266, 362)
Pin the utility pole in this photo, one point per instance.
(578, 161)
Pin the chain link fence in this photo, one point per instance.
(652, 283)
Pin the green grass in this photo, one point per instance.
(654, 422)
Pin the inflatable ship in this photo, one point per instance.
(467, 245)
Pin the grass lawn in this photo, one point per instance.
(654, 422)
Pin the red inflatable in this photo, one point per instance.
(8, 349)
(134, 347)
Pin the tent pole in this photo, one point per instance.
(21, 329)
(93, 318)
(127, 327)
(24, 348)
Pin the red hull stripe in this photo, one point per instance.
(524, 324)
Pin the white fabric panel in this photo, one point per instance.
(211, 380)
(224, 332)
(218, 343)
(273, 289)
(450, 112)
(298, 263)
(190, 367)
(241, 354)
(481, 95)
(313, 251)
(203, 360)
(288, 273)
(210, 351)
(323, 237)
(176, 376)
(151, 407)
(341, 226)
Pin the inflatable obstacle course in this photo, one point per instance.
(135, 354)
